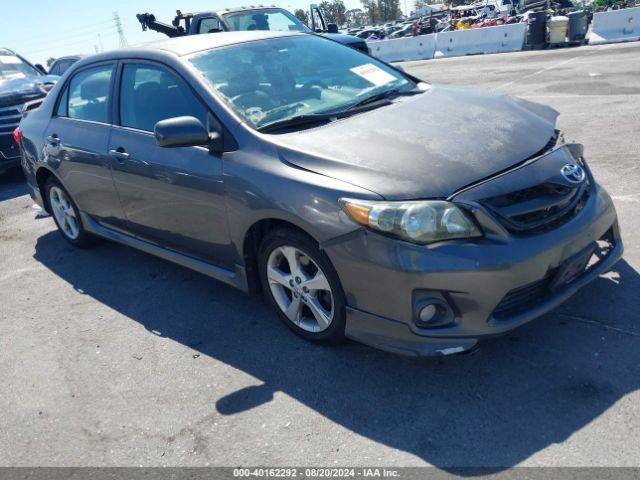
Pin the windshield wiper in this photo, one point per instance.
(377, 97)
(296, 121)
(308, 119)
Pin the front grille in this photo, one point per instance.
(521, 299)
(10, 118)
(539, 208)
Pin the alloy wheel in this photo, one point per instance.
(64, 213)
(300, 289)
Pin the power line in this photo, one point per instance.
(71, 38)
(77, 32)
(47, 48)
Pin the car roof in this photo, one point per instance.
(194, 43)
(70, 57)
(246, 9)
(184, 45)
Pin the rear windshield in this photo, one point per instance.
(278, 20)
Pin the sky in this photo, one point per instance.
(40, 29)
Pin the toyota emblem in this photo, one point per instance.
(573, 173)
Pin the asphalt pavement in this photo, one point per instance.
(111, 357)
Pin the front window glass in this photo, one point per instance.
(12, 67)
(149, 94)
(89, 94)
(279, 20)
(273, 80)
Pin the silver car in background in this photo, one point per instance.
(362, 201)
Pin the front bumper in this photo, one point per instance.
(7, 163)
(383, 277)
(9, 153)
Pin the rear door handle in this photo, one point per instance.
(119, 155)
(53, 140)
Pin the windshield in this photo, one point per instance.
(12, 67)
(278, 20)
(276, 79)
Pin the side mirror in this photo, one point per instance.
(332, 28)
(40, 68)
(181, 132)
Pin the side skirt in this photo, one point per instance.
(237, 278)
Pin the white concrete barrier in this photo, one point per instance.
(503, 38)
(615, 26)
(421, 47)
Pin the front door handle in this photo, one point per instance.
(119, 154)
(53, 140)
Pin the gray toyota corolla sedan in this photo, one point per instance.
(362, 201)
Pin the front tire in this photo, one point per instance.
(66, 215)
(302, 285)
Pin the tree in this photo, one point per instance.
(340, 12)
(302, 15)
(370, 9)
(381, 10)
(50, 61)
(355, 17)
(333, 11)
(389, 9)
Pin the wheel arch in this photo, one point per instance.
(251, 243)
(42, 175)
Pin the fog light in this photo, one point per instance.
(433, 312)
(427, 313)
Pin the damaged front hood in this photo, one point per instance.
(22, 89)
(426, 146)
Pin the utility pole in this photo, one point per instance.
(123, 40)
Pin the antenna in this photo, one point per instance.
(123, 40)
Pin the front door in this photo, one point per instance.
(171, 196)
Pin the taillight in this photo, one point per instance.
(17, 135)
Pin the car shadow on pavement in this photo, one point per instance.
(495, 408)
(12, 184)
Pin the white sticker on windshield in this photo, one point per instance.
(9, 59)
(373, 74)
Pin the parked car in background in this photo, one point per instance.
(373, 33)
(289, 163)
(404, 31)
(248, 18)
(20, 83)
(62, 64)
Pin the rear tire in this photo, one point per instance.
(302, 285)
(66, 215)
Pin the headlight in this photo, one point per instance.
(421, 222)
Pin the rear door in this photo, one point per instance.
(77, 138)
(171, 196)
